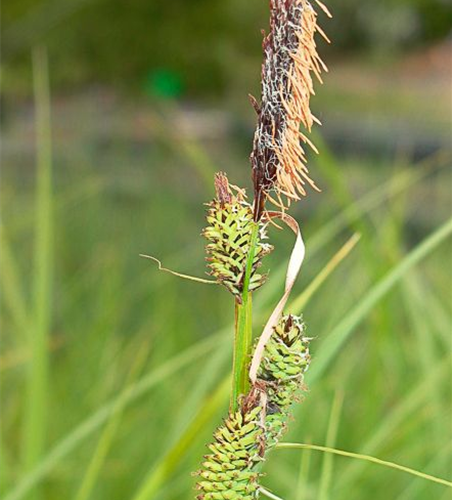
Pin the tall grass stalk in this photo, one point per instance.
(340, 334)
(331, 436)
(416, 487)
(165, 467)
(301, 490)
(93, 471)
(36, 418)
(410, 404)
(103, 414)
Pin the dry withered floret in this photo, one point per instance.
(290, 59)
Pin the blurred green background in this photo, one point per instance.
(115, 116)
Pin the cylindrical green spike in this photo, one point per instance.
(229, 232)
(284, 363)
(232, 470)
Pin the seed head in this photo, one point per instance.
(230, 470)
(284, 363)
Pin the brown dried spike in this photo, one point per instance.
(222, 190)
(290, 61)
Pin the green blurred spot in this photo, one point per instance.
(163, 83)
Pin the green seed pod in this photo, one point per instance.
(229, 232)
(281, 372)
(230, 471)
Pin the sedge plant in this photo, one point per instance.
(268, 376)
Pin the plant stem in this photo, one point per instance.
(243, 335)
(35, 424)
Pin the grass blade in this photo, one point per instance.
(417, 308)
(343, 330)
(299, 302)
(303, 475)
(37, 384)
(414, 488)
(366, 458)
(105, 442)
(350, 214)
(12, 294)
(166, 466)
(331, 435)
(269, 494)
(409, 405)
(102, 415)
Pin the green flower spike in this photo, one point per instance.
(281, 372)
(229, 232)
(230, 470)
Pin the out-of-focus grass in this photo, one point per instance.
(330, 440)
(380, 322)
(39, 320)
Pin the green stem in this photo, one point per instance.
(35, 423)
(243, 330)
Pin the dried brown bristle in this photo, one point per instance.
(290, 59)
(222, 190)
